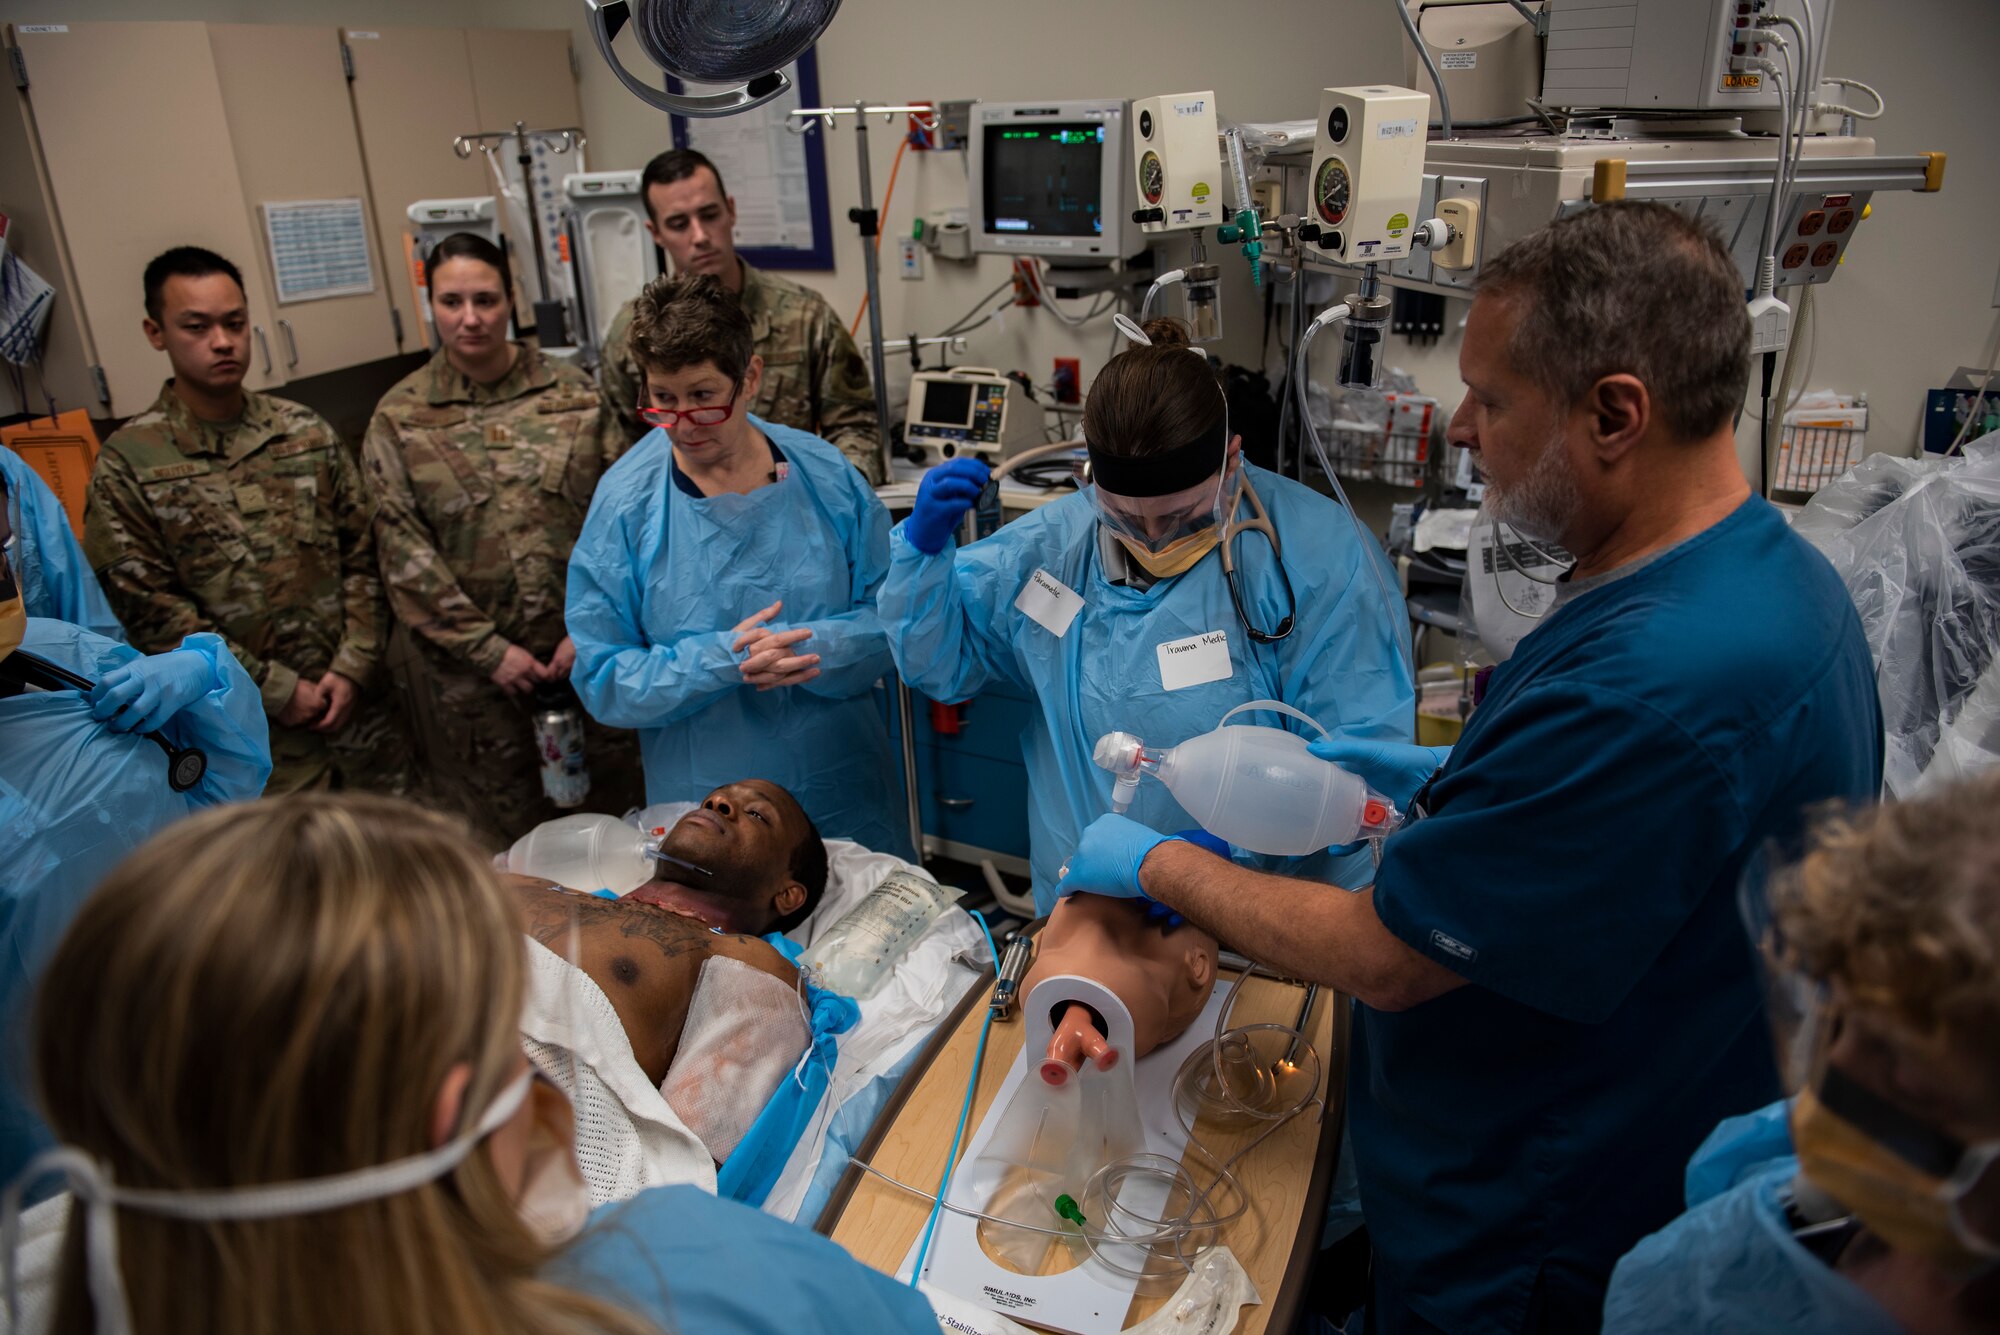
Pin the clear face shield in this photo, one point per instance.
(1858, 1133)
(1169, 507)
(1157, 523)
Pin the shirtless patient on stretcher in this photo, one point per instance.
(766, 870)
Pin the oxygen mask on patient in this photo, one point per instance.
(745, 1032)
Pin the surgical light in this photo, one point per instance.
(745, 42)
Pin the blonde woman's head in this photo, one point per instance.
(1898, 911)
(282, 991)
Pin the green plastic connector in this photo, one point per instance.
(1248, 229)
(1068, 1209)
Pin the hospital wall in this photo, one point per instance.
(1912, 303)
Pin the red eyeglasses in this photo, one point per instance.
(669, 417)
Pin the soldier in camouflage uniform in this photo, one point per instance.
(814, 378)
(234, 512)
(483, 463)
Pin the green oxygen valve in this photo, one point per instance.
(1067, 1207)
(1247, 228)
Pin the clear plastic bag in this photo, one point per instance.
(857, 954)
(1917, 542)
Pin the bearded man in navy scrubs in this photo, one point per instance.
(1556, 995)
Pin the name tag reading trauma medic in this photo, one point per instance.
(1197, 659)
(1049, 603)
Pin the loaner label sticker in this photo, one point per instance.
(1195, 660)
(1397, 130)
(1049, 603)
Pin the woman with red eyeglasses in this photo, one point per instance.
(482, 463)
(722, 596)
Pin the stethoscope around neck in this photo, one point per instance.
(1231, 530)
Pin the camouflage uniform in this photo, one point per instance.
(814, 378)
(480, 494)
(259, 530)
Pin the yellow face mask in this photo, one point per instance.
(1176, 556)
(1912, 1210)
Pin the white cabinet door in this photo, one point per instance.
(136, 142)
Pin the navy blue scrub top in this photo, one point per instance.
(1579, 869)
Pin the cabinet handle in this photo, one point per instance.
(956, 803)
(263, 346)
(291, 342)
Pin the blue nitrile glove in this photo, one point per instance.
(142, 695)
(1394, 769)
(943, 497)
(1159, 913)
(1107, 858)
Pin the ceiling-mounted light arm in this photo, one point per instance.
(699, 44)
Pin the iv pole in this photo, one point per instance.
(549, 311)
(870, 222)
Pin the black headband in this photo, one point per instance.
(1160, 474)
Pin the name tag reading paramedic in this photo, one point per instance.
(1197, 659)
(1050, 603)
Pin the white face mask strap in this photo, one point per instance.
(1126, 326)
(95, 1193)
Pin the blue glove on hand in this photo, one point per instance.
(1107, 858)
(1394, 769)
(943, 497)
(1159, 913)
(143, 694)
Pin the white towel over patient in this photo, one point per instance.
(627, 1137)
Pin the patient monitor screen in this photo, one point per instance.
(1044, 180)
(946, 404)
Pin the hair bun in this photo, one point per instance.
(1168, 332)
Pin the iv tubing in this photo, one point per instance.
(1159, 285)
(964, 1110)
(1394, 607)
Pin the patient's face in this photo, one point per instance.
(742, 832)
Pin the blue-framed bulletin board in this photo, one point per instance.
(777, 178)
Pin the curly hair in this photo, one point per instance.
(682, 320)
(1900, 906)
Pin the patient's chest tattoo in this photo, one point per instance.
(553, 911)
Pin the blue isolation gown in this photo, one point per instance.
(955, 629)
(692, 1262)
(48, 563)
(75, 798)
(1730, 1265)
(659, 577)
